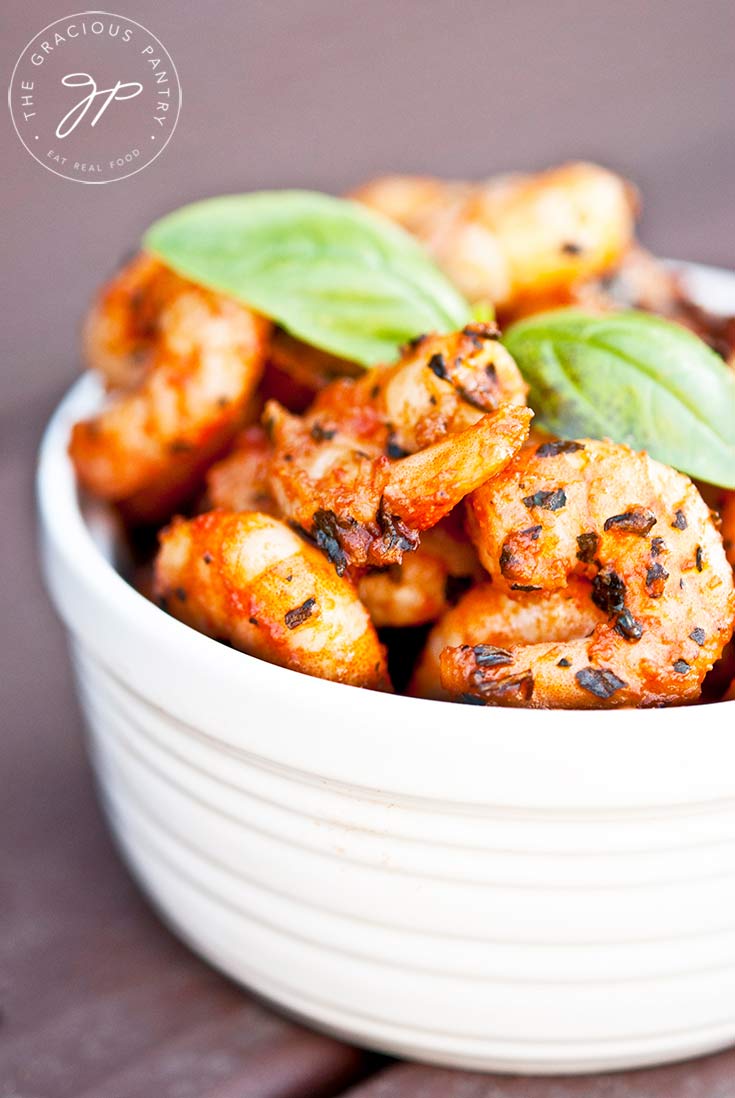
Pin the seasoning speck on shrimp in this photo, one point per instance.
(379, 459)
(641, 535)
(250, 580)
(184, 361)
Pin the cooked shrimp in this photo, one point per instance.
(489, 614)
(588, 509)
(240, 481)
(439, 385)
(362, 508)
(297, 371)
(427, 582)
(412, 593)
(728, 526)
(203, 359)
(248, 579)
(378, 459)
(120, 329)
(515, 237)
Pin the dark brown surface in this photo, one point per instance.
(97, 999)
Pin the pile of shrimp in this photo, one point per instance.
(526, 243)
(406, 528)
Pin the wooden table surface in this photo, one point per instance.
(97, 999)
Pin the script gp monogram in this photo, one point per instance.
(94, 97)
(72, 118)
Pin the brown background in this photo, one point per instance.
(96, 998)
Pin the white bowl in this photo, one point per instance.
(499, 889)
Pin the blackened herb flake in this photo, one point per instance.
(601, 682)
(299, 614)
(680, 521)
(627, 626)
(322, 434)
(698, 636)
(393, 450)
(326, 535)
(559, 446)
(682, 667)
(552, 500)
(587, 547)
(608, 591)
(506, 559)
(518, 688)
(471, 699)
(438, 366)
(639, 520)
(396, 534)
(488, 655)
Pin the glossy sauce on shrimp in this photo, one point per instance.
(641, 535)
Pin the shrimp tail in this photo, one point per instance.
(424, 487)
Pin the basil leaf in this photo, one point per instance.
(484, 311)
(328, 270)
(634, 378)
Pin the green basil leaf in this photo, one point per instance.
(328, 270)
(634, 378)
(483, 311)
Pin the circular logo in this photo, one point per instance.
(95, 97)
